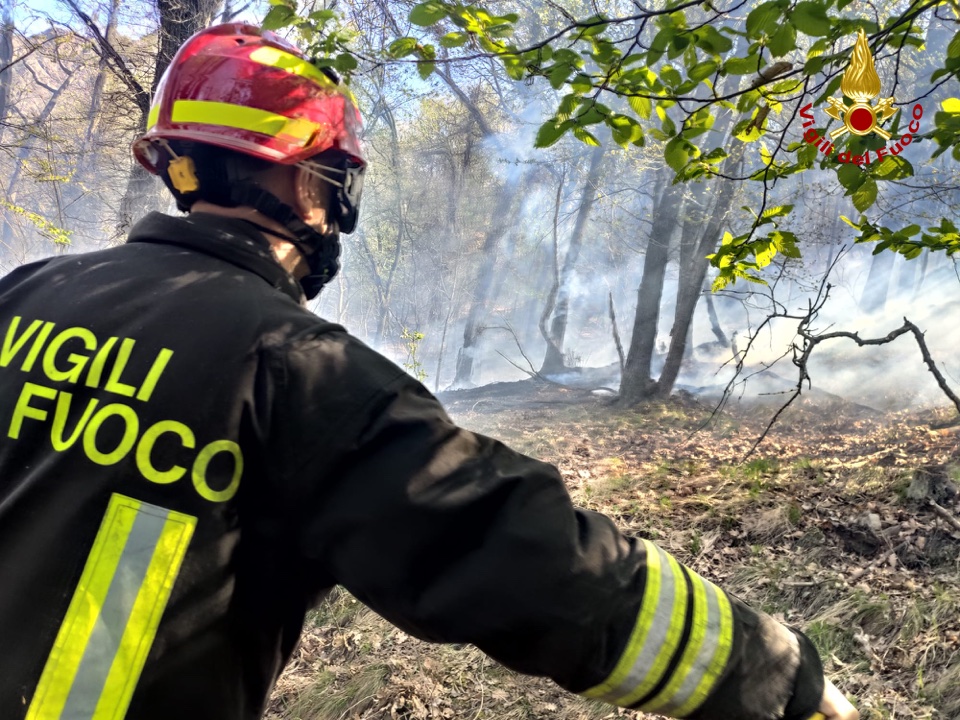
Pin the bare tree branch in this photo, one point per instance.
(114, 60)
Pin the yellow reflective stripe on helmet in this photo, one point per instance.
(153, 116)
(299, 130)
(706, 653)
(274, 57)
(655, 634)
(112, 620)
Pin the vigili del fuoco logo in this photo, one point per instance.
(861, 84)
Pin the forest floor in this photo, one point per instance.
(829, 526)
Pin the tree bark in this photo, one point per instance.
(636, 381)
(92, 134)
(500, 223)
(179, 19)
(553, 361)
(693, 274)
(6, 57)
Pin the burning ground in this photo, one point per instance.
(845, 522)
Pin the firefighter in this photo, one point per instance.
(191, 459)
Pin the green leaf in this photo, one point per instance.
(558, 74)
(763, 19)
(581, 84)
(786, 243)
(402, 47)
(641, 106)
(279, 16)
(715, 156)
(814, 65)
(585, 137)
(810, 18)
(625, 129)
(702, 70)
(783, 41)
(426, 68)
(594, 29)
(345, 62)
(428, 13)
(893, 168)
(453, 39)
(677, 153)
(671, 78)
(850, 176)
(668, 127)
(953, 49)
(710, 40)
(777, 211)
(743, 66)
(592, 113)
(849, 222)
(746, 131)
(865, 195)
(550, 132)
(659, 44)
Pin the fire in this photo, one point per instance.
(860, 82)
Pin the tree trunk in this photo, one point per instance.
(6, 56)
(91, 136)
(500, 223)
(22, 154)
(179, 19)
(714, 320)
(636, 381)
(553, 361)
(692, 276)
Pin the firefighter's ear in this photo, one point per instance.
(311, 197)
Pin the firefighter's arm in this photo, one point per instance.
(454, 537)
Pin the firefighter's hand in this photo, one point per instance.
(834, 706)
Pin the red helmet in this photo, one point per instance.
(246, 89)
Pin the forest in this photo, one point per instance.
(638, 241)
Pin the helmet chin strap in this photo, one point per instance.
(321, 250)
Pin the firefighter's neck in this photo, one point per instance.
(284, 251)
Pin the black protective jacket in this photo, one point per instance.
(189, 460)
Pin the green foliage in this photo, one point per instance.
(412, 340)
(58, 235)
(667, 86)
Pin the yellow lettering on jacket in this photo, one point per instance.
(123, 357)
(145, 447)
(78, 362)
(30, 341)
(23, 409)
(12, 344)
(88, 436)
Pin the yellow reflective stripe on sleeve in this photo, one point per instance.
(298, 130)
(717, 662)
(652, 664)
(111, 622)
(705, 655)
(655, 635)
